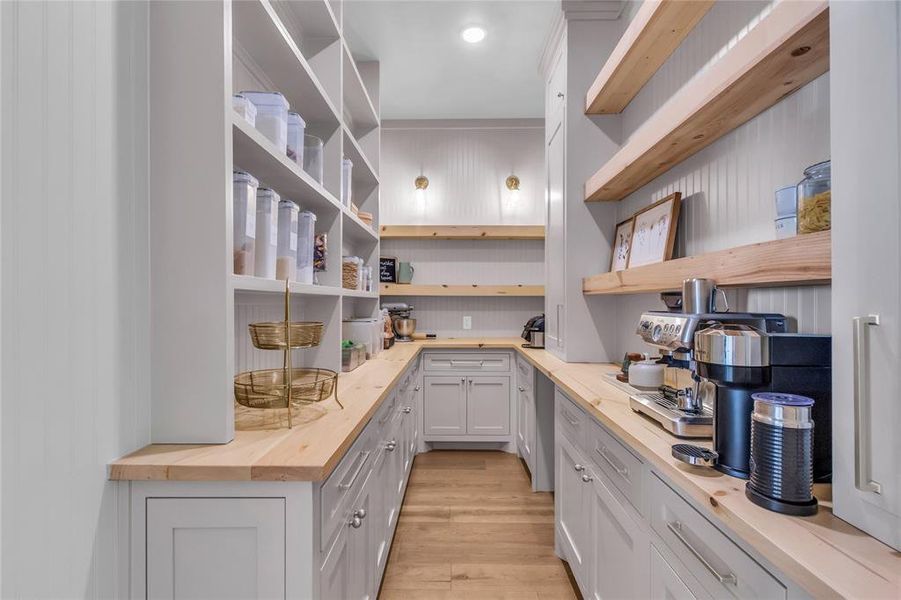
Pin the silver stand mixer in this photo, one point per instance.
(404, 325)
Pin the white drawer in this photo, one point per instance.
(719, 565)
(572, 420)
(343, 485)
(383, 415)
(481, 361)
(622, 467)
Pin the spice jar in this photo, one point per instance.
(244, 222)
(286, 263)
(267, 228)
(815, 198)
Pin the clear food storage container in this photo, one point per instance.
(272, 116)
(786, 227)
(267, 233)
(296, 127)
(351, 277)
(347, 167)
(306, 239)
(245, 108)
(787, 202)
(244, 221)
(312, 156)
(286, 263)
(815, 198)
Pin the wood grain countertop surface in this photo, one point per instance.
(823, 554)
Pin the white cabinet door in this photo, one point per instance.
(525, 426)
(866, 265)
(334, 578)
(363, 546)
(619, 546)
(555, 253)
(444, 410)
(571, 509)
(665, 583)
(488, 405)
(215, 548)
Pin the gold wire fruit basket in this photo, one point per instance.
(286, 388)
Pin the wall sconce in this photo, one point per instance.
(421, 184)
(512, 184)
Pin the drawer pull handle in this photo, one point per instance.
(862, 479)
(676, 528)
(361, 460)
(479, 363)
(622, 470)
(572, 420)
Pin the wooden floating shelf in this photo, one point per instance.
(800, 260)
(463, 232)
(654, 33)
(439, 289)
(785, 51)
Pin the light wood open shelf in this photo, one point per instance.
(654, 33)
(440, 289)
(800, 260)
(463, 232)
(786, 50)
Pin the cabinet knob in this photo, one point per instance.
(521, 389)
(356, 522)
(578, 468)
(586, 477)
(559, 94)
(417, 388)
(390, 446)
(360, 513)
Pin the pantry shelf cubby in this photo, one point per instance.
(441, 289)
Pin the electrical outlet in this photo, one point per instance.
(467, 322)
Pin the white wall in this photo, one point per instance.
(74, 284)
(728, 188)
(466, 163)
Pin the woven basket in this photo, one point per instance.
(267, 388)
(273, 335)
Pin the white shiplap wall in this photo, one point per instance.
(466, 163)
(727, 188)
(75, 317)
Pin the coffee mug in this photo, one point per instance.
(405, 272)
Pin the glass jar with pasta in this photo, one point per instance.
(815, 199)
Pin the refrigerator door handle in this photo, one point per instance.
(862, 479)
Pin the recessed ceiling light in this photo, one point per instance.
(473, 35)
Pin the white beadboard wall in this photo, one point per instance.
(75, 288)
(728, 188)
(466, 163)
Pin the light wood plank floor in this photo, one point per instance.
(471, 528)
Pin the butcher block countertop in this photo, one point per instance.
(823, 554)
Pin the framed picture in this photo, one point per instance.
(622, 245)
(654, 232)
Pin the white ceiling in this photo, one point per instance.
(429, 72)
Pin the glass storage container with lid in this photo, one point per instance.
(306, 234)
(286, 263)
(244, 221)
(267, 229)
(815, 198)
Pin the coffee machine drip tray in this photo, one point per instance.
(681, 423)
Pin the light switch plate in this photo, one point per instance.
(467, 322)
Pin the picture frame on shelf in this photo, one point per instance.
(654, 232)
(622, 245)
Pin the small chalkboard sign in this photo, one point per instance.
(388, 269)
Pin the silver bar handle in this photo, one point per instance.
(572, 420)
(361, 460)
(676, 528)
(622, 470)
(467, 362)
(862, 458)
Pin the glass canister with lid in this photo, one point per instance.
(815, 198)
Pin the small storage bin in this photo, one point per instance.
(347, 167)
(306, 239)
(787, 202)
(786, 227)
(272, 116)
(815, 198)
(352, 357)
(312, 156)
(267, 233)
(296, 127)
(245, 108)
(244, 221)
(286, 263)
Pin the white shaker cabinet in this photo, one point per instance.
(444, 405)
(866, 265)
(555, 253)
(488, 405)
(571, 508)
(525, 425)
(664, 581)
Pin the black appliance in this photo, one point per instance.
(533, 332)
(740, 361)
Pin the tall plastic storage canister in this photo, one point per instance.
(267, 229)
(272, 116)
(286, 263)
(347, 167)
(296, 127)
(306, 239)
(244, 221)
(312, 156)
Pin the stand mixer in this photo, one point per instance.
(404, 325)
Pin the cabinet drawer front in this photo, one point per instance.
(719, 565)
(482, 361)
(524, 373)
(622, 467)
(343, 485)
(572, 420)
(665, 583)
(386, 411)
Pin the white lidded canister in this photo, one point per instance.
(347, 167)
(296, 128)
(267, 230)
(272, 116)
(312, 156)
(244, 221)
(286, 263)
(245, 108)
(306, 239)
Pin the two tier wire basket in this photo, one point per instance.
(288, 389)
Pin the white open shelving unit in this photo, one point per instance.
(201, 309)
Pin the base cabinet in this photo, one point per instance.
(571, 508)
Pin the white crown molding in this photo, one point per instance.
(593, 10)
(552, 45)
